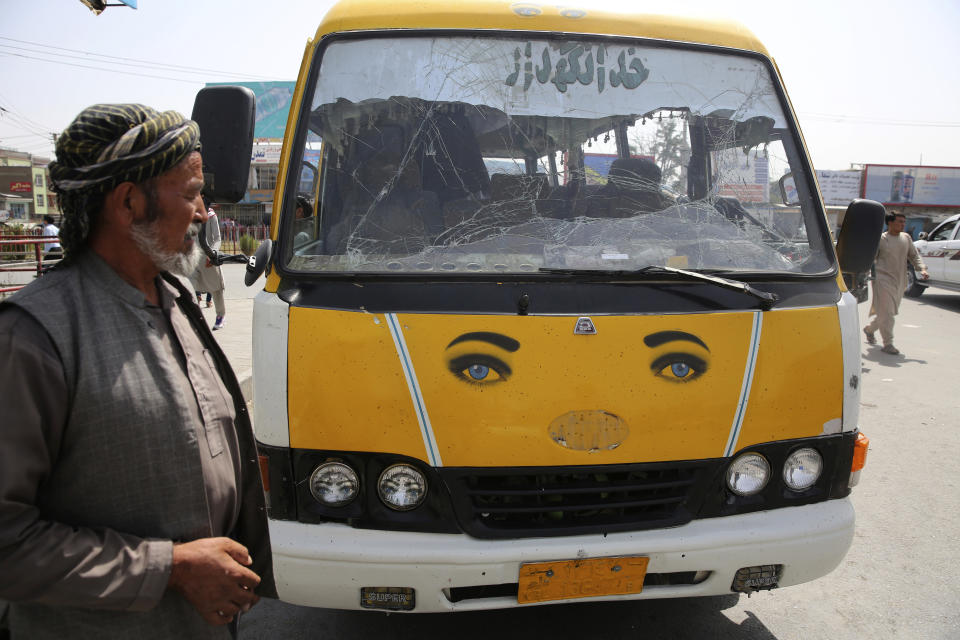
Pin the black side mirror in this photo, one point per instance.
(860, 235)
(226, 116)
(258, 262)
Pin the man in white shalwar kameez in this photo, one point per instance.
(896, 247)
(208, 277)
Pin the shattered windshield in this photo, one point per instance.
(501, 155)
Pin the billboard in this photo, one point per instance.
(597, 165)
(273, 105)
(265, 152)
(745, 177)
(912, 185)
(839, 188)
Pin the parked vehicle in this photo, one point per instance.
(477, 388)
(940, 250)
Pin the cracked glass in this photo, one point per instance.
(480, 155)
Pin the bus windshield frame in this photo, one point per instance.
(512, 154)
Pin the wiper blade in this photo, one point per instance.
(767, 300)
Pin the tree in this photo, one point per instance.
(666, 140)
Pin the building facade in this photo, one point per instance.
(25, 194)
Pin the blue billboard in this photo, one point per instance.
(273, 105)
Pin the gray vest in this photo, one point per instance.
(128, 460)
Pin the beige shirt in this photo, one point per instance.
(111, 564)
(892, 256)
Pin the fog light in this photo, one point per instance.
(748, 474)
(802, 469)
(402, 487)
(334, 484)
(750, 579)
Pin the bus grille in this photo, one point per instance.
(545, 501)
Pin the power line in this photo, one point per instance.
(84, 66)
(18, 122)
(61, 55)
(159, 65)
(17, 113)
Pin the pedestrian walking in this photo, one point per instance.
(130, 498)
(896, 248)
(207, 278)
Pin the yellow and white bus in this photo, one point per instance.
(539, 323)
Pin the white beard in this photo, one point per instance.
(145, 236)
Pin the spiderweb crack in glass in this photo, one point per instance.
(495, 155)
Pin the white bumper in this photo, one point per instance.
(325, 565)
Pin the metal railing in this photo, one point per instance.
(11, 247)
(8, 244)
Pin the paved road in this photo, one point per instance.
(900, 579)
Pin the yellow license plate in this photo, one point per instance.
(585, 578)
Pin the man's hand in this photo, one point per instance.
(212, 575)
(924, 275)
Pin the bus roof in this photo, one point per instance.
(363, 15)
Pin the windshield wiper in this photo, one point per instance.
(766, 300)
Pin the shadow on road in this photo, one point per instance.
(874, 354)
(945, 301)
(676, 619)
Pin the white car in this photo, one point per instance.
(940, 250)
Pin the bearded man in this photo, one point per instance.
(130, 498)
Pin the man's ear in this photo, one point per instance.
(125, 204)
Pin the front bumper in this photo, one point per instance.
(326, 565)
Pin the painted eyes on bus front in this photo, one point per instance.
(679, 367)
(479, 368)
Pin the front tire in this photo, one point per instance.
(914, 288)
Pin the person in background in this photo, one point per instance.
(896, 247)
(53, 249)
(131, 504)
(304, 223)
(208, 277)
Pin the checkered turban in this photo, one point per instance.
(108, 144)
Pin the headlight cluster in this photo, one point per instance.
(401, 487)
(749, 472)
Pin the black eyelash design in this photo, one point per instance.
(699, 365)
(458, 364)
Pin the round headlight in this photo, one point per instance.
(748, 474)
(402, 487)
(802, 469)
(334, 484)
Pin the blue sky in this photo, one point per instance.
(872, 82)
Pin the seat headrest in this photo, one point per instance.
(381, 168)
(508, 186)
(635, 174)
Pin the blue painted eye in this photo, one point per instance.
(478, 371)
(680, 369)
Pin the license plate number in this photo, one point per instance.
(584, 578)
